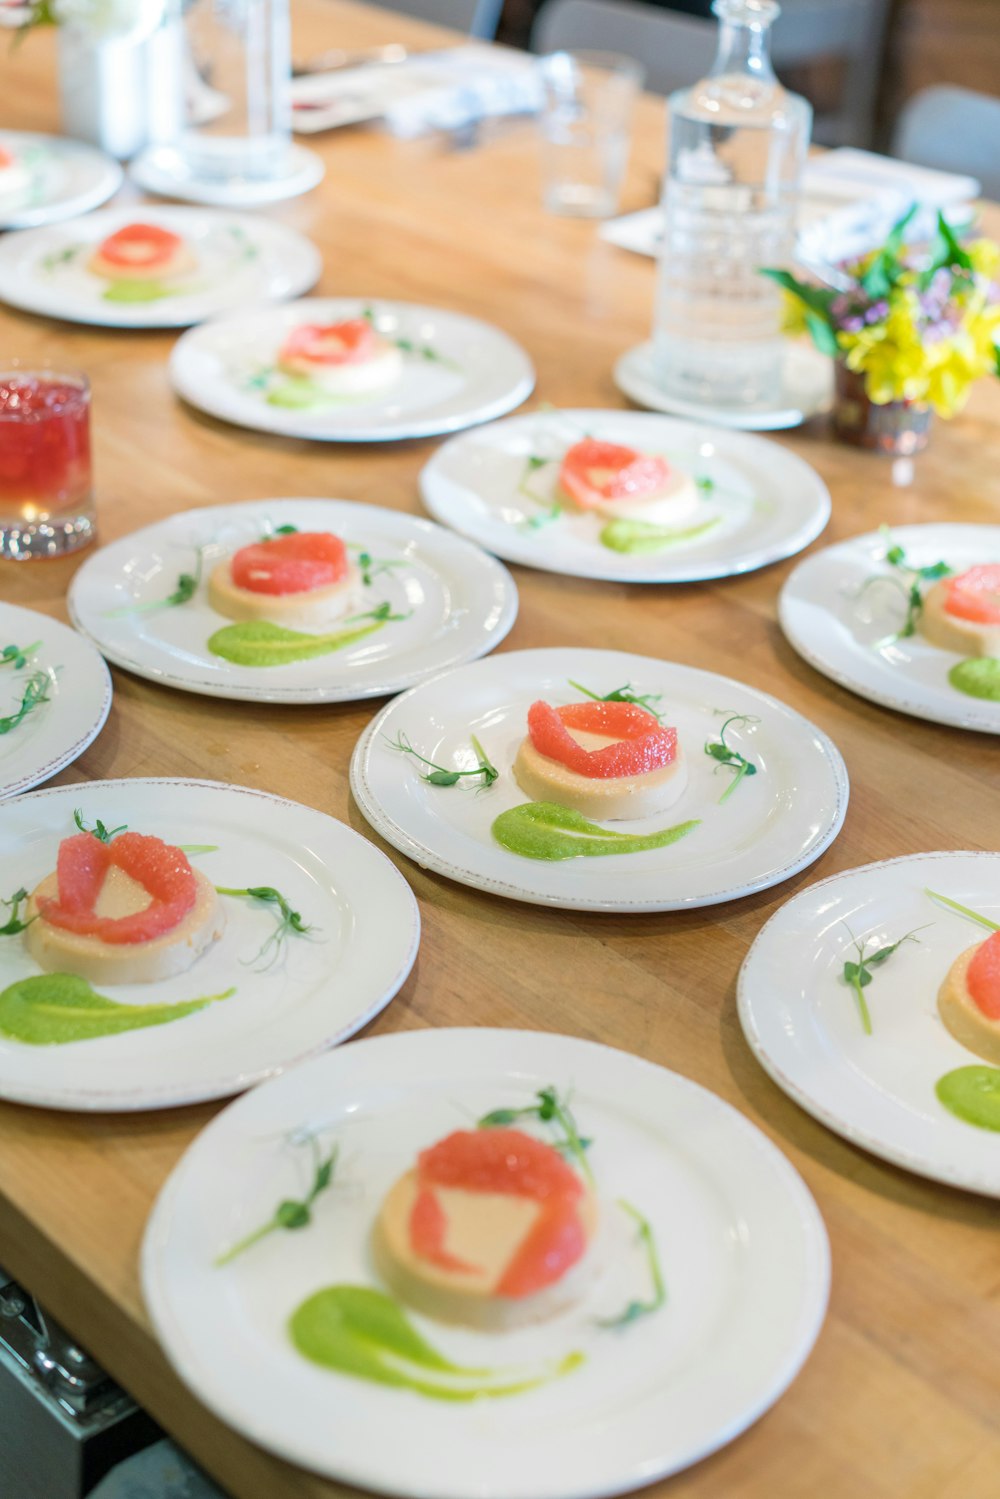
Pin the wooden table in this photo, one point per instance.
(902, 1394)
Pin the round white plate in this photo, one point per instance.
(460, 602)
(744, 1253)
(219, 369)
(240, 259)
(57, 732)
(802, 1022)
(807, 388)
(844, 635)
(65, 178)
(321, 989)
(774, 824)
(162, 170)
(769, 503)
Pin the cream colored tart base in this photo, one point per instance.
(182, 261)
(675, 502)
(963, 1017)
(98, 962)
(609, 798)
(950, 633)
(484, 1229)
(377, 373)
(313, 609)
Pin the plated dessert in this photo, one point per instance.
(142, 262)
(621, 757)
(476, 1263)
(612, 494)
(47, 177)
(346, 370)
(159, 942)
(15, 178)
(292, 601)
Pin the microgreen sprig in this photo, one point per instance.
(945, 900)
(373, 567)
(14, 924)
(293, 1213)
(383, 613)
(858, 975)
(187, 587)
(624, 694)
(552, 1110)
(100, 832)
(407, 345)
(17, 655)
(290, 923)
(724, 753)
(706, 485)
(440, 775)
(909, 579)
(35, 692)
(647, 1241)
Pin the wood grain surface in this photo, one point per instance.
(901, 1398)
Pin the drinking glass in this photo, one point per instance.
(46, 494)
(586, 124)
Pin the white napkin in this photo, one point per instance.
(432, 91)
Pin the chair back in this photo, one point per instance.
(478, 18)
(953, 129)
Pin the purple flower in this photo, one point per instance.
(853, 324)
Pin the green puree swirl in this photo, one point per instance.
(640, 538)
(544, 830)
(978, 677)
(54, 1008)
(359, 1331)
(257, 642)
(972, 1094)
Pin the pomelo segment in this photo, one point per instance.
(975, 595)
(594, 472)
(290, 564)
(140, 245)
(498, 1160)
(983, 977)
(160, 868)
(352, 342)
(644, 745)
(555, 1241)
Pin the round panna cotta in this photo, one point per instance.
(962, 614)
(969, 999)
(492, 1228)
(131, 911)
(304, 581)
(342, 359)
(142, 252)
(609, 761)
(14, 175)
(621, 483)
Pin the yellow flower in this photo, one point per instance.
(793, 315)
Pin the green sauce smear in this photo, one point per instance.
(360, 1331)
(972, 1094)
(257, 642)
(641, 538)
(137, 291)
(544, 830)
(977, 677)
(52, 1009)
(299, 392)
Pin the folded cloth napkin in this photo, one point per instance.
(431, 91)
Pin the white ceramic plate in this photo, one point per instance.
(240, 259)
(55, 733)
(774, 824)
(768, 503)
(162, 170)
(463, 603)
(844, 635)
(744, 1253)
(321, 989)
(219, 368)
(807, 388)
(64, 178)
(802, 1022)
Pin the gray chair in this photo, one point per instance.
(678, 50)
(953, 129)
(478, 18)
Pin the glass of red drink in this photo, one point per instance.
(46, 493)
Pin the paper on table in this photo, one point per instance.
(432, 91)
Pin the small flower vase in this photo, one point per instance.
(121, 93)
(898, 428)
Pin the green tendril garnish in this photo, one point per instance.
(945, 900)
(289, 922)
(100, 832)
(17, 655)
(625, 694)
(440, 775)
(407, 345)
(647, 1241)
(555, 1112)
(35, 693)
(857, 976)
(14, 924)
(724, 754)
(293, 1213)
(909, 580)
(187, 587)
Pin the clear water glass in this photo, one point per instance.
(586, 128)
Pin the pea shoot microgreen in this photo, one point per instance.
(383, 613)
(17, 655)
(187, 587)
(945, 900)
(279, 531)
(407, 345)
(100, 832)
(910, 580)
(290, 923)
(724, 753)
(35, 693)
(373, 567)
(14, 924)
(293, 1213)
(440, 775)
(857, 976)
(647, 1242)
(705, 484)
(624, 694)
(552, 1110)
